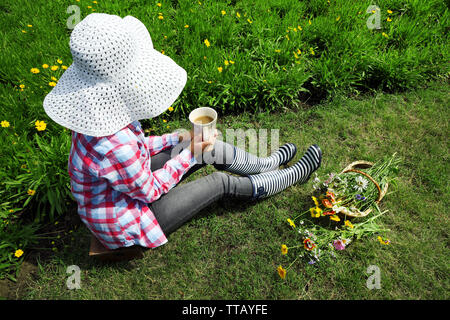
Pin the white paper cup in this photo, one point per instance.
(206, 130)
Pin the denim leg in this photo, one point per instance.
(183, 202)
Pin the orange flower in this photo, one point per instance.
(328, 213)
(331, 196)
(309, 244)
(327, 203)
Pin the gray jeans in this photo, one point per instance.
(183, 202)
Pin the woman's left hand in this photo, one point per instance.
(185, 135)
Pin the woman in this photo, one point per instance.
(123, 181)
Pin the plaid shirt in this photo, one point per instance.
(112, 182)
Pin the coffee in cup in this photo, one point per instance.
(203, 121)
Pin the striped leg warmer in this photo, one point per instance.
(269, 183)
(245, 163)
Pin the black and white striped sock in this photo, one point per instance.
(269, 183)
(245, 163)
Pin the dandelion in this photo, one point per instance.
(389, 11)
(34, 70)
(281, 272)
(299, 28)
(45, 66)
(160, 17)
(31, 192)
(291, 223)
(52, 83)
(204, 57)
(384, 35)
(5, 124)
(18, 253)
(162, 51)
(299, 52)
(223, 12)
(388, 19)
(89, 7)
(349, 224)
(238, 14)
(21, 86)
(284, 249)
(164, 120)
(295, 55)
(54, 68)
(24, 31)
(384, 242)
(40, 125)
(287, 37)
(11, 210)
(277, 50)
(206, 41)
(94, 2)
(249, 21)
(64, 67)
(220, 69)
(309, 21)
(59, 61)
(170, 109)
(312, 51)
(54, 79)
(231, 61)
(158, 4)
(186, 26)
(338, 18)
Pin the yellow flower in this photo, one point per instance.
(54, 79)
(207, 43)
(335, 218)
(315, 212)
(309, 21)
(54, 68)
(186, 26)
(238, 14)
(59, 61)
(277, 50)
(5, 124)
(29, 25)
(158, 4)
(160, 17)
(298, 51)
(52, 83)
(220, 69)
(24, 31)
(312, 51)
(164, 120)
(168, 127)
(388, 19)
(281, 272)
(249, 21)
(170, 108)
(34, 70)
(40, 125)
(45, 66)
(31, 192)
(11, 210)
(231, 61)
(389, 11)
(18, 253)
(299, 28)
(223, 12)
(284, 249)
(291, 223)
(226, 62)
(349, 224)
(162, 51)
(338, 18)
(385, 35)
(21, 86)
(89, 7)
(295, 54)
(287, 37)
(64, 67)
(315, 201)
(95, 2)
(204, 57)
(209, 81)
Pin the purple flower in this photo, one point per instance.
(339, 244)
(312, 262)
(360, 197)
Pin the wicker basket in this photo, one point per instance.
(353, 167)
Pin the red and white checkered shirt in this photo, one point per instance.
(112, 183)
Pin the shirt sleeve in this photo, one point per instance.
(156, 144)
(128, 171)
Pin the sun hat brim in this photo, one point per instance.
(147, 88)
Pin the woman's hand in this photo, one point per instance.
(185, 135)
(197, 146)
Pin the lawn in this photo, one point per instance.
(231, 250)
(313, 70)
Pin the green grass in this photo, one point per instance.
(231, 250)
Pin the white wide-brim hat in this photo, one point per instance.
(116, 77)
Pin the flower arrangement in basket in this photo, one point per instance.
(345, 207)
